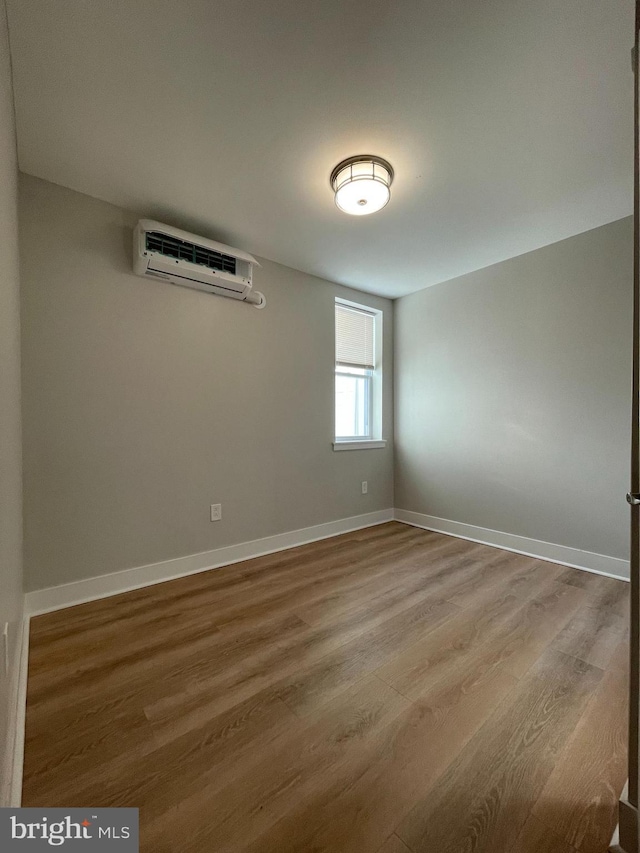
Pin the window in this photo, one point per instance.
(358, 376)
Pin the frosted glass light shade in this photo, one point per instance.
(362, 184)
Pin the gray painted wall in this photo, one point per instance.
(144, 402)
(513, 390)
(10, 442)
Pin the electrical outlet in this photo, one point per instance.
(216, 512)
(365, 487)
(5, 644)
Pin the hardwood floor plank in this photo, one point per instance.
(303, 675)
(614, 595)
(494, 615)
(516, 640)
(538, 838)
(497, 569)
(583, 580)
(483, 800)
(579, 801)
(443, 568)
(362, 656)
(357, 809)
(413, 671)
(593, 635)
(527, 579)
(241, 613)
(220, 748)
(301, 763)
(525, 638)
(56, 753)
(620, 658)
(393, 844)
(602, 591)
(153, 676)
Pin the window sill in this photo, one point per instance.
(365, 444)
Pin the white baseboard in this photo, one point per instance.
(91, 589)
(103, 586)
(12, 773)
(599, 564)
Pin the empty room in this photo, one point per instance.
(319, 426)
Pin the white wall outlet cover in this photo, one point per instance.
(216, 512)
(365, 487)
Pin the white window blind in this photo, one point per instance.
(354, 337)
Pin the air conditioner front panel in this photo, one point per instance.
(218, 290)
(195, 273)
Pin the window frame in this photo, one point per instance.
(373, 438)
(367, 376)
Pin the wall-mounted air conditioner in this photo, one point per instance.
(160, 251)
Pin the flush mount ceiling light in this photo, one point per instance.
(362, 184)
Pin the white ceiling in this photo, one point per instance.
(509, 122)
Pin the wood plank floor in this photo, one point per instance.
(388, 690)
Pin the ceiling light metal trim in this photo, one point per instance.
(377, 176)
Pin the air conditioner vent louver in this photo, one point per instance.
(172, 247)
